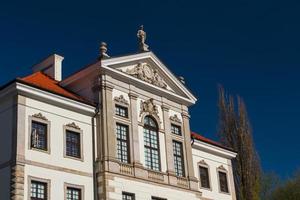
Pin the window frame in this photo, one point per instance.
(127, 142)
(47, 182)
(129, 194)
(45, 122)
(156, 129)
(181, 156)
(221, 169)
(126, 108)
(73, 186)
(204, 165)
(78, 131)
(176, 126)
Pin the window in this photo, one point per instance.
(121, 111)
(151, 142)
(175, 129)
(128, 196)
(122, 143)
(39, 136)
(73, 193)
(38, 190)
(73, 144)
(204, 177)
(178, 158)
(223, 182)
(157, 198)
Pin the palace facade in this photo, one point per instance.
(119, 129)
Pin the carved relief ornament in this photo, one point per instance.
(175, 118)
(120, 99)
(149, 107)
(73, 125)
(40, 116)
(144, 72)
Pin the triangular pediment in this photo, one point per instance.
(148, 69)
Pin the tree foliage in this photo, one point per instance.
(235, 132)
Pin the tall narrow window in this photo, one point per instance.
(38, 190)
(73, 144)
(39, 135)
(73, 193)
(122, 143)
(121, 111)
(223, 182)
(151, 142)
(204, 177)
(128, 196)
(175, 129)
(178, 158)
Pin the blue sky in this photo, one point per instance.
(251, 47)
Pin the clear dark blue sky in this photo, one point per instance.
(252, 47)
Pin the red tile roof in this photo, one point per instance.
(209, 141)
(44, 82)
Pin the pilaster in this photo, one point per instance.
(135, 147)
(169, 146)
(189, 159)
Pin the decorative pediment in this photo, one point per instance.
(202, 162)
(73, 125)
(120, 99)
(175, 118)
(149, 107)
(40, 116)
(222, 168)
(144, 72)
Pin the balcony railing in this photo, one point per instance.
(126, 169)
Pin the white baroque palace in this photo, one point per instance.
(118, 129)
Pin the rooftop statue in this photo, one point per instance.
(141, 34)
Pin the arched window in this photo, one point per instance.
(151, 144)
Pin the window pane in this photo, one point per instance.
(38, 190)
(223, 182)
(121, 111)
(204, 177)
(128, 196)
(151, 144)
(122, 143)
(175, 129)
(73, 144)
(39, 135)
(73, 193)
(178, 158)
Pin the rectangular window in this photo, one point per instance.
(73, 144)
(121, 111)
(122, 143)
(152, 158)
(223, 182)
(178, 158)
(39, 135)
(204, 177)
(157, 198)
(128, 196)
(175, 129)
(73, 193)
(38, 190)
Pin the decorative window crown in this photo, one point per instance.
(120, 99)
(40, 116)
(73, 125)
(175, 118)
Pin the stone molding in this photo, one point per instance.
(17, 182)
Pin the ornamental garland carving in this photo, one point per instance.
(149, 107)
(121, 100)
(73, 125)
(144, 72)
(175, 118)
(40, 116)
